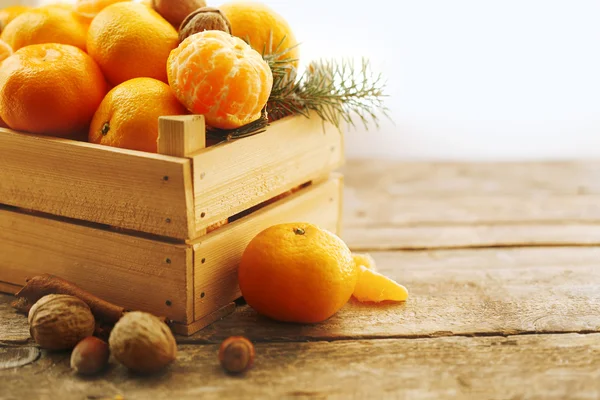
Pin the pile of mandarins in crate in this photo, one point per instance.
(105, 70)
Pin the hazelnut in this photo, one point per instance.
(175, 11)
(59, 322)
(90, 356)
(236, 354)
(204, 19)
(142, 342)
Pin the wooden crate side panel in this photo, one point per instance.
(129, 271)
(232, 177)
(217, 255)
(127, 189)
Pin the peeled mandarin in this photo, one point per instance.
(221, 77)
(373, 287)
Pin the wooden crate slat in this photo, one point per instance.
(129, 271)
(127, 189)
(232, 177)
(216, 256)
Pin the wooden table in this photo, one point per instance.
(502, 262)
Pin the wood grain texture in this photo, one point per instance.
(14, 357)
(129, 271)
(394, 205)
(117, 187)
(454, 292)
(13, 326)
(182, 135)
(216, 256)
(235, 176)
(550, 367)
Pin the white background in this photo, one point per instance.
(468, 79)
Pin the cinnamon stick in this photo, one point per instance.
(43, 285)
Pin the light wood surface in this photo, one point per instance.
(502, 263)
(123, 188)
(232, 177)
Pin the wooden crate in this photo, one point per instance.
(143, 230)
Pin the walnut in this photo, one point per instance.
(204, 19)
(142, 343)
(175, 11)
(59, 322)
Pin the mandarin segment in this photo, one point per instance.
(365, 260)
(51, 89)
(129, 40)
(373, 287)
(128, 115)
(45, 25)
(297, 272)
(219, 76)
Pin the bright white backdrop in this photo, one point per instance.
(468, 79)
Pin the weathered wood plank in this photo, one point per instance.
(392, 205)
(445, 237)
(455, 292)
(235, 176)
(123, 188)
(129, 271)
(452, 292)
(422, 179)
(537, 366)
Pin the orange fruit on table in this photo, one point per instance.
(374, 287)
(262, 27)
(219, 76)
(45, 25)
(9, 13)
(52, 89)
(297, 272)
(128, 115)
(129, 40)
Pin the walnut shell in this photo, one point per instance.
(204, 19)
(142, 343)
(59, 322)
(175, 11)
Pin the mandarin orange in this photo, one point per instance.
(45, 25)
(128, 115)
(265, 30)
(297, 272)
(5, 50)
(374, 287)
(129, 40)
(52, 89)
(221, 77)
(9, 13)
